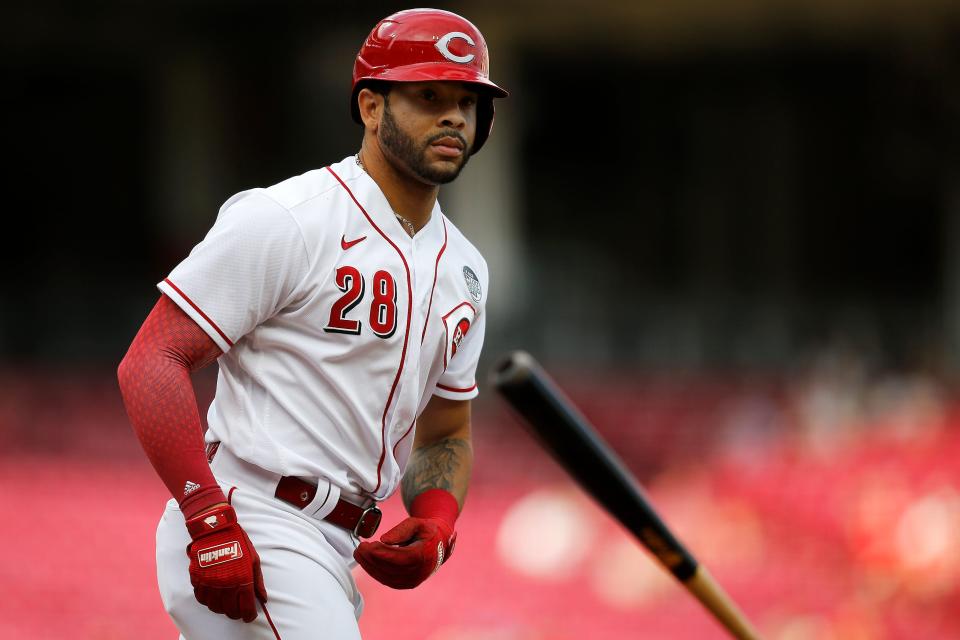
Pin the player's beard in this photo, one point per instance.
(405, 149)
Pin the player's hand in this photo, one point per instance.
(224, 566)
(409, 553)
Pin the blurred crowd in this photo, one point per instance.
(827, 502)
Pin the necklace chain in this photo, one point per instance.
(410, 229)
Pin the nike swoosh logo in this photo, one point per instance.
(347, 244)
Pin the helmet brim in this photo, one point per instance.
(427, 72)
(438, 71)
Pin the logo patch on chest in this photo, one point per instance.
(473, 284)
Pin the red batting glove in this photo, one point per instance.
(413, 550)
(224, 566)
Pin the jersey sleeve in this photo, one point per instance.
(459, 381)
(243, 272)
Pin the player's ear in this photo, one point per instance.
(371, 106)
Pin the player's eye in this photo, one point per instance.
(429, 95)
(469, 101)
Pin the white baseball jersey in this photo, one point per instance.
(337, 327)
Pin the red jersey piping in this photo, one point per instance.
(426, 322)
(456, 390)
(436, 268)
(406, 333)
(198, 310)
(410, 428)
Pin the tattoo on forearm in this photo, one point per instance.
(436, 466)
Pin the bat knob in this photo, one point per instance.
(513, 368)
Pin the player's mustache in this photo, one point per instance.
(447, 133)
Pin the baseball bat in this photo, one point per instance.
(570, 438)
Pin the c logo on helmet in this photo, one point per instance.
(444, 42)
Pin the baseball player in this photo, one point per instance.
(346, 314)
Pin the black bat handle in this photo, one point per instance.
(568, 436)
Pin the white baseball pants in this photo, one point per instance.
(306, 566)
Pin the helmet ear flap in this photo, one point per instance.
(485, 113)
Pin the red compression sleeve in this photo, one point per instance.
(158, 394)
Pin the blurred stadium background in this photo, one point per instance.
(731, 230)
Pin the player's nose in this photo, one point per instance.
(453, 118)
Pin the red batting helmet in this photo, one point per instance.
(420, 45)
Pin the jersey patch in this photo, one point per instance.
(459, 333)
(473, 284)
(456, 324)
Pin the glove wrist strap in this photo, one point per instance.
(436, 503)
(211, 521)
(201, 500)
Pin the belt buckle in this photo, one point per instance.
(376, 525)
